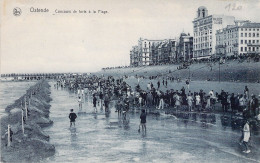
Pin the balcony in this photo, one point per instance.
(253, 44)
(220, 46)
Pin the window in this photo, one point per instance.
(258, 29)
(253, 34)
(249, 48)
(257, 35)
(245, 41)
(249, 34)
(253, 48)
(253, 41)
(257, 41)
(241, 29)
(241, 49)
(203, 13)
(241, 41)
(245, 34)
(249, 41)
(245, 49)
(241, 34)
(246, 29)
(249, 29)
(254, 29)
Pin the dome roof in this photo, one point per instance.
(202, 7)
(183, 34)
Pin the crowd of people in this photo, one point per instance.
(104, 90)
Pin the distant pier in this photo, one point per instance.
(37, 76)
(33, 76)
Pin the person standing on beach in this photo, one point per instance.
(80, 103)
(245, 137)
(143, 120)
(106, 102)
(161, 103)
(188, 83)
(72, 117)
(246, 92)
(95, 102)
(101, 99)
(190, 101)
(158, 84)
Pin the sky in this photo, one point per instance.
(49, 42)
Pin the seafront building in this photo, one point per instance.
(185, 47)
(214, 36)
(166, 52)
(204, 32)
(145, 50)
(241, 39)
(152, 52)
(134, 58)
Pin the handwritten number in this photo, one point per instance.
(228, 6)
(234, 7)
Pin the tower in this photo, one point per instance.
(202, 12)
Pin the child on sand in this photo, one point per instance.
(143, 121)
(72, 117)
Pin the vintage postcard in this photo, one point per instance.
(130, 81)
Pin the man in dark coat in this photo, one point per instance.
(253, 105)
(232, 102)
(72, 117)
(158, 84)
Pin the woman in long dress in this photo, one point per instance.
(190, 101)
(197, 101)
(208, 105)
(245, 137)
(177, 101)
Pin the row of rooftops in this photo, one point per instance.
(241, 24)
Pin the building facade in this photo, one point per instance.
(134, 58)
(166, 52)
(153, 52)
(241, 39)
(204, 29)
(145, 50)
(185, 47)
